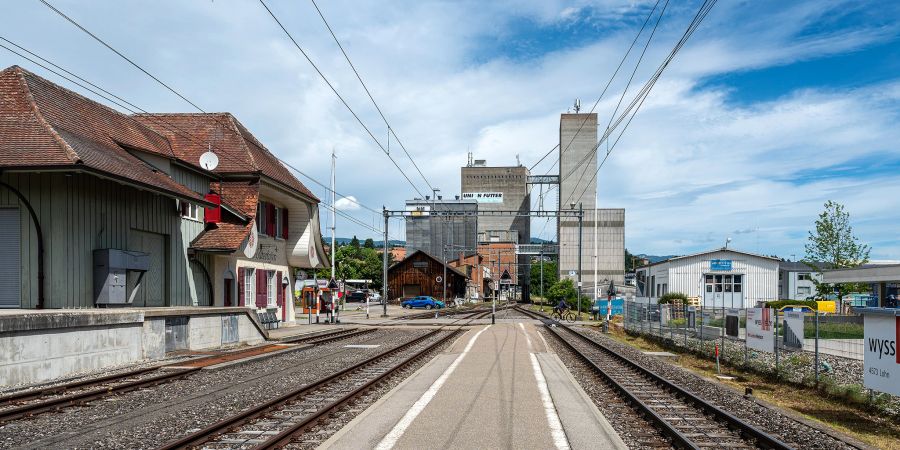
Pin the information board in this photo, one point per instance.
(881, 371)
(732, 322)
(720, 264)
(484, 197)
(761, 329)
(793, 329)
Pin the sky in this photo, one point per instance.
(770, 110)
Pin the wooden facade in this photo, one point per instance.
(79, 213)
(421, 274)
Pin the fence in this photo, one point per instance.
(796, 346)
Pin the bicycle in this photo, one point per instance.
(568, 316)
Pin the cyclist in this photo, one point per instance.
(561, 307)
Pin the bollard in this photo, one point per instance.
(717, 360)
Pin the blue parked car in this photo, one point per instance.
(422, 301)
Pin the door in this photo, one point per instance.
(410, 290)
(227, 291)
(152, 290)
(10, 263)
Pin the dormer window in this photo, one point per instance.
(189, 210)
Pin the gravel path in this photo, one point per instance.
(769, 420)
(151, 417)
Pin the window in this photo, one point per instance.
(803, 290)
(249, 292)
(189, 210)
(271, 291)
(804, 276)
(278, 213)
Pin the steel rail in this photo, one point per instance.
(223, 426)
(328, 337)
(32, 394)
(287, 436)
(747, 430)
(83, 397)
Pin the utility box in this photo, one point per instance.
(110, 269)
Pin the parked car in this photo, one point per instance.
(357, 296)
(422, 301)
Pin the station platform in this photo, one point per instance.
(497, 386)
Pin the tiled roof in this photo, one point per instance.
(45, 125)
(239, 151)
(231, 231)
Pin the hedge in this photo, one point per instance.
(669, 297)
(778, 304)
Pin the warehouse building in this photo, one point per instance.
(717, 278)
(797, 280)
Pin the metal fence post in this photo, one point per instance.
(817, 348)
(746, 353)
(776, 341)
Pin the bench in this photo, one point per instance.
(269, 318)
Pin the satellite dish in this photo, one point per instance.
(209, 161)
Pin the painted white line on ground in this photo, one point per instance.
(556, 428)
(546, 347)
(526, 335)
(396, 433)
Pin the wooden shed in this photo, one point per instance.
(422, 274)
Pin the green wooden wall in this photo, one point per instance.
(79, 213)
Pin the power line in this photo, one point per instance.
(159, 81)
(608, 83)
(132, 108)
(331, 86)
(621, 97)
(639, 99)
(366, 88)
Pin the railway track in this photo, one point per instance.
(36, 401)
(284, 419)
(686, 419)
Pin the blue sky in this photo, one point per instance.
(771, 109)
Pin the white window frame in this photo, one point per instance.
(271, 293)
(193, 211)
(278, 213)
(249, 291)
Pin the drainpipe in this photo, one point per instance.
(40, 236)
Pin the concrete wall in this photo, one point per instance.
(431, 233)
(43, 345)
(512, 182)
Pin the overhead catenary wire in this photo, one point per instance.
(391, 130)
(182, 96)
(639, 99)
(605, 88)
(339, 96)
(637, 65)
(133, 108)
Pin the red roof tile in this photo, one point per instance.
(45, 125)
(231, 232)
(239, 151)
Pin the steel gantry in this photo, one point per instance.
(388, 214)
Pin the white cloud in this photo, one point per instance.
(348, 203)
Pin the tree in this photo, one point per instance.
(551, 276)
(354, 242)
(833, 246)
(369, 243)
(562, 290)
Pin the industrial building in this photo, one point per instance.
(423, 274)
(716, 278)
(577, 191)
(440, 235)
(501, 188)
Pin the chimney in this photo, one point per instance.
(440, 197)
(427, 197)
(457, 197)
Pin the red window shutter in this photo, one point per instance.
(270, 219)
(240, 284)
(284, 223)
(261, 290)
(279, 298)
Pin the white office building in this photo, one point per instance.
(722, 277)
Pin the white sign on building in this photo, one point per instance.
(882, 362)
(761, 329)
(484, 197)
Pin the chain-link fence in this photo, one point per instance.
(801, 347)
